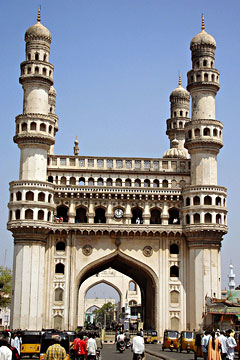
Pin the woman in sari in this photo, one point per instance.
(214, 347)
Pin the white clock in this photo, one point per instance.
(118, 213)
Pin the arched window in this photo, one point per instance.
(174, 249)
(30, 196)
(137, 183)
(63, 180)
(174, 297)
(196, 200)
(59, 268)
(155, 216)
(218, 219)
(132, 286)
(17, 214)
(137, 216)
(19, 196)
(10, 215)
(175, 113)
(81, 216)
(187, 201)
(206, 132)
(24, 127)
(45, 57)
(218, 201)
(49, 216)
(146, 183)
(174, 271)
(81, 181)
(42, 127)
(33, 126)
(90, 181)
(109, 182)
(207, 200)
(36, 56)
(50, 129)
(40, 215)
(204, 62)
(155, 183)
(36, 70)
(175, 323)
(181, 113)
(58, 320)
(208, 218)
(118, 182)
(165, 183)
(132, 302)
(197, 132)
(72, 181)
(173, 216)
(44, 71)
(62, 214)
(205, 77)
(99, 216)
(60, 246)
(41, 196)
(196, 218)
(100, 182)
(187, 219)
(29, 56)
(213, 78)
(215, 132)
(180, 125)
(29, 70)
(50, 179)
(128, 182)
(189, 134)
(59, 294)
(29, 214)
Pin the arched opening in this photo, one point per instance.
(43, 127)
(174, 249)
(60, 246)
(165, 183)
(132, 302)
(90, 181)
(36, 70)
(207, 200)
(29, 214)
(181, 124)
(137, 216)
(196, 200)
(81, 182)
(208, 218)
(174, 217)
(187, 201)
(146, 183)
(100, 182)
(50, 179)
(29, 70)
(189, 134)
(175, 323)
(155, 216)
(81, 216)
(50, 129)
(218, 219)
(19, 196)
(45, 57)
(155, 183)
(218, 201)
(44, 71)
(41, 196)
(109, 182)
(24, 127)
(59, 268)
(40, 215)
(58, 294)
(72, 181)
(196, 218)
(118, 182)
(33, 126)
(137, 183)
(215, 132)
(37, 56)
(128, 182)
(206, 132)
(205, 77)
(174, 271)
(30, 196)
(63, 180)
(144, 277)
(49, 216)
(197, 132)
(99, 216)
(187, 219)
(58, 322)
(132, 286)
(10, 216)
(17, 214)
(62, 214)
(174, 297)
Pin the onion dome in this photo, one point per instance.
(203, 38)
(175, 152)
(52, 92)
(179, 92)
(38, 31)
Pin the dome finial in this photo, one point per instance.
(179, 79)
(203, 23)
(39, 14)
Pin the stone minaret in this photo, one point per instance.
(31, 204)
(204, 211)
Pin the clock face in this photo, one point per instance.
(118, 213)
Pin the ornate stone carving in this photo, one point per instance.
(147, 251)
(87, 250)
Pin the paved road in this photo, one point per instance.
(171, 354)
(109, 353)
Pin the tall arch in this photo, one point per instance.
(145, 277)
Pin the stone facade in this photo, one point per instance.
(159, 221)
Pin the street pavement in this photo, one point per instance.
(156, 349)
(109, 353)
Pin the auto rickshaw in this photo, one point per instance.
(31, 343)
(150, 337)
(48, 340)
(187, 341)
(170, 340)
(198, 345)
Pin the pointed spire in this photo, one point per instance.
(76, 147)
(39, 14)
(203, 23)
(179, 80)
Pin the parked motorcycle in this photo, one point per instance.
(121, 346)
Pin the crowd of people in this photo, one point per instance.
(10, 346)
(87, 346)
(218, 345)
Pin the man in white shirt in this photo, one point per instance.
(138, 346)
(91, 347)
(5, 352)
(204, 343)
(231, 344)
(223, 340)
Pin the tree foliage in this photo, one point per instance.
(5, 286)
(107, 310)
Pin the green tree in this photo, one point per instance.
(104, 315)
(5, 286)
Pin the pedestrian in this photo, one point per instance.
(214, 347)
(91, 347)
(231, 344)
(56, 351)
(81, 348)
(204, 343)
(138, 346)
(99, 345)
(5, 352)
(16, 343)
(223, 341)
(75, 345)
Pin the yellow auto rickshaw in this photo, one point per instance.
(150, 337)
(187, 341)
(31, 343)
(48, 340)
(170, 340)
(198, 345)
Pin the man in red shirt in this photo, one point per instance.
(75, 342)
(81, 348)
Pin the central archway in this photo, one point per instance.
(143, 275)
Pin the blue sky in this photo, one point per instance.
(116, 62)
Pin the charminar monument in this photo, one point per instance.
(159, 221)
